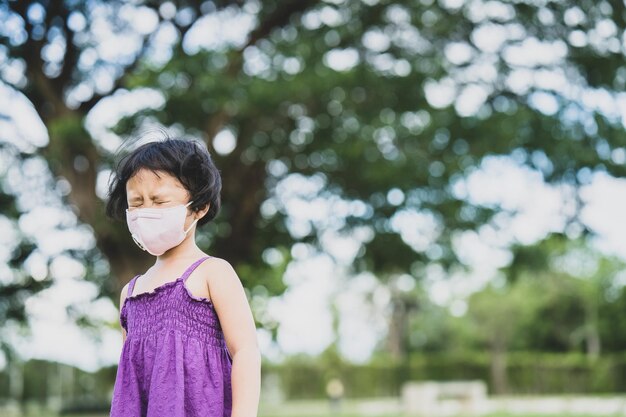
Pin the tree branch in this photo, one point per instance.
(44, 91)
(70, 58)
(86, 106)
(278, 18)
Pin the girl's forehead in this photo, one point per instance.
(145, 179)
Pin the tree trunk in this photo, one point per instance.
(499, 369)
(397, 336)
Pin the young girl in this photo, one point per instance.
(190, 346)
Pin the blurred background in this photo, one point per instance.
(419, 190)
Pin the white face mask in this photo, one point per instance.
(160, 229)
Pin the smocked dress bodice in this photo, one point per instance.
(174, 361)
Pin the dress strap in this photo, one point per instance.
(192, 267)
(131, 285)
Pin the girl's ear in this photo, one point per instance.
(203, 212)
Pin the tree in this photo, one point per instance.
(385, 104)
(48, 81)
(579, 286)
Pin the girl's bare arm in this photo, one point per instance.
(231, 304)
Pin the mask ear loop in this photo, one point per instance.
(138, 243)
(192, 223)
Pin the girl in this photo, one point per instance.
(186, 322)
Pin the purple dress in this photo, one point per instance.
(174, 361)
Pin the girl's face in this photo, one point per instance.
(146, 189)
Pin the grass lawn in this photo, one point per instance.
(348, 415)
(317, 408)
(402, 415)
(344, 415)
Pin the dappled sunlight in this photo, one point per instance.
(421, 202)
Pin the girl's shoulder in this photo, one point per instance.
(215, 265)
(225, 288)
(220, 278)
(217, 271)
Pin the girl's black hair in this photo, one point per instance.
(187, 160)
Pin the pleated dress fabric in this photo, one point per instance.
(174, 361)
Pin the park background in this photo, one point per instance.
(412, 190)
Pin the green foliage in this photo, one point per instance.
(565, 297)
(365, 131)
(527, 373)
(370, 129)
